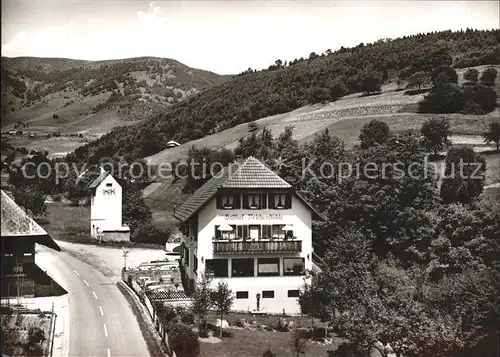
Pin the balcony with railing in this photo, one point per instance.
(257, 246)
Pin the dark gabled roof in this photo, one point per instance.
(98, 180)
(316, 215)
(201, 196)
(250, 173)
(18, 225)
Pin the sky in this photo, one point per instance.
(225, 37)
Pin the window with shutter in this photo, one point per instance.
(237, 201)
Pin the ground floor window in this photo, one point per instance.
(218, 267)
(268, 294)
(242, 267)
(293, 293)
(242, 295)
(268, 267)
(293, 266)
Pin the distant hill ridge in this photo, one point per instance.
(35, 89)
(286, 86)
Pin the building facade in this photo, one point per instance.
(106, 209)
(19, 274)
(248, 227)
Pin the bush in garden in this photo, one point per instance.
(183, 340)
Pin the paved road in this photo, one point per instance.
(101, 323)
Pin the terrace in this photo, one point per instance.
(261, 246)
(263, 239)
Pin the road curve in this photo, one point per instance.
(101, 322)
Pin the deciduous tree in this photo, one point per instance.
(222, 300)
(374, 132)
(464, 175)
(488, 76)
(471, 75)
(493, 133)
(436, 132)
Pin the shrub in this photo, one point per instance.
(183, 341)
(187, 318)
(447, 98)
(148, 233)
(268, 353)
(471, 75)
(36, 335)
(488, 76)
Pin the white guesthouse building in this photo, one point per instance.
(249, 228)
(106, 209)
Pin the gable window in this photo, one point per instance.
(228, 200)
(109, 185)
(279, 200)
(293, 266)
(268, 267)
(254, 200)
(218, 267)
(242, 267)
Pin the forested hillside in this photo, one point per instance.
(67, 90)
(285, 86)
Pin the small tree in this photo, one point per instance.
(464, 175)
(493, 134)
(419, 79)
(471, 75)
(373, 132)
(269, 353)
(31, 198)
(222, 300)
(183, 341)
(370, 82)
(436, 132)
(202, 299)
(443, 75)
(488, 76)
(298, 343)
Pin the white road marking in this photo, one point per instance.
(102, 312)
(105, 331)
(76, 272)
(85, 281)
(109, 353)
(94, 295)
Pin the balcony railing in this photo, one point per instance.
(257, 247)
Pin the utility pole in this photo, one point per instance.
(124, 255)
